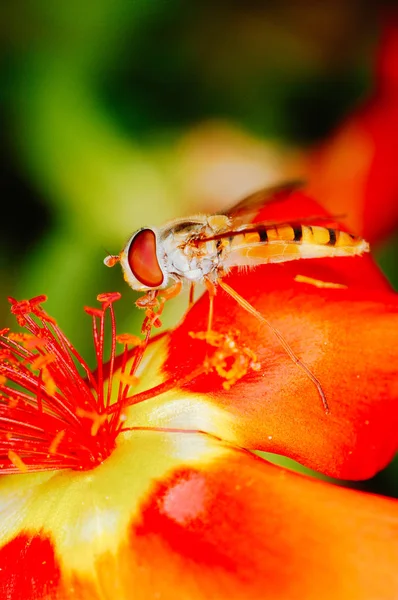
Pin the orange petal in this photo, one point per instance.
(346, 335)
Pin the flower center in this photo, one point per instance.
(55, 413)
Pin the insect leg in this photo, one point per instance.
(171, 292)
(191, 295)
(247, 306)
(211, 288)
(153, 302)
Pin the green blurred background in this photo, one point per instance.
(120, 113)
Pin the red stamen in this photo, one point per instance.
(128, 338)
(56, 442)
(108, 298)
(17, 461)
(52, 415)
(55, 413)
(113, 352)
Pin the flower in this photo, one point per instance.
(136, 480)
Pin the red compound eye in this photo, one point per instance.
(142, 259)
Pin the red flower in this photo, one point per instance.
(137, 480)
(145, 485)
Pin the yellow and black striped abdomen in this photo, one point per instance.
(309, 234)
(289, 242)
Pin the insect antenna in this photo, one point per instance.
(247, 306)
(111, 259)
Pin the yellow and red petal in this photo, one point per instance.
(182, 515)
(354, 171)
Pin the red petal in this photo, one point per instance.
(355, 170)
(183, 516)
(347, 337)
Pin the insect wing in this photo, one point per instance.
(242, 214)
(247, 208)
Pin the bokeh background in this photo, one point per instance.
(120, 113)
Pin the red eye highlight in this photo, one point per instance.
(143, 261)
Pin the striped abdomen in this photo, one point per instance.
(267, 244)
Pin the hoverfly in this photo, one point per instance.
(203, 249)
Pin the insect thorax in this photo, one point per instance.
(185, 255)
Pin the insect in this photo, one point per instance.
(203, 249)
